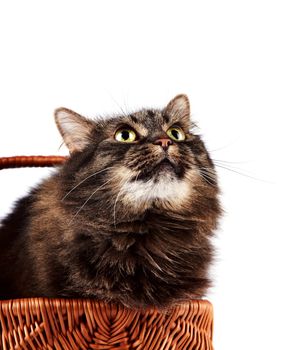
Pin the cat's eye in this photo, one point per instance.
(125, 135)
(176, 134)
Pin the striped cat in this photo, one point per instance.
(128, 218)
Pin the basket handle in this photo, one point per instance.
(31, 161)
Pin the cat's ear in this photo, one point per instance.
(178, 109)
(75, 129)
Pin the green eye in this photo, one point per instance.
(176, 134)
(125, 135)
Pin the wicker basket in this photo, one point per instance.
(72, 324)
(65, 324)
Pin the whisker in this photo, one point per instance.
(86, 201)
(98, 172)
(117, 103)
(210, 170)
(230, 166)
(230, 162)
(209, 178)
(222, 147)
(240, 173)
(118, 196)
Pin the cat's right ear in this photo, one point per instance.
(75, 129)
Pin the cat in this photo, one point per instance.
(128, 218)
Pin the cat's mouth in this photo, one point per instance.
(159, 169)
(164, 165)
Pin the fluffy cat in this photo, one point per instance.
(128, 218)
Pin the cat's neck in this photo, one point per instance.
(154, 220)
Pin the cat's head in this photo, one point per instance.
(150, 158)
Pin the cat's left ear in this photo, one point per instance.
(178, 109)
(75, 129)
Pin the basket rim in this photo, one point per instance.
(31, 161)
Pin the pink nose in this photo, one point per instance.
(164, 143)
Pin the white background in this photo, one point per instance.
(230, 58)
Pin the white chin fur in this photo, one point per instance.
(164, 188)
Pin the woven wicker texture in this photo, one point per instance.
(64, 324)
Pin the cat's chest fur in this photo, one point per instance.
(136, 263)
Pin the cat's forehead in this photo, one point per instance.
(145, 120)
(149, 118)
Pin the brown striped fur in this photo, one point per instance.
(136, 232)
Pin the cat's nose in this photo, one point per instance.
(164, 143)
